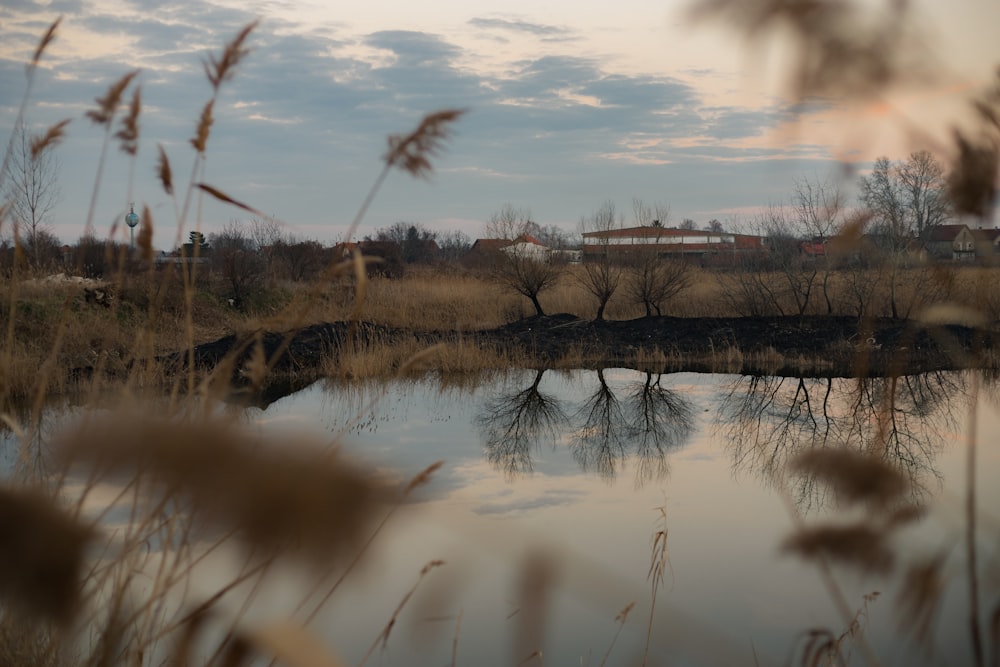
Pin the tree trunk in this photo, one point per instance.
(538, 306)
(600, 311)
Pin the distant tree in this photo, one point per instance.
(30, 189)
(453, 245)
(906, 199)
(297, 259)
(714, 226)
(642, 213)
(510, 222)
(820, 210)
(652, 281)
(797, 276)
(600, 274)
(237, 260)
(557, 238)
(820, 207)
(416, 243)
(688, 223)
(91, 256)
(646, 215)
(44, 249)
(264, 232)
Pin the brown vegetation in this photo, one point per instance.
(190, 479)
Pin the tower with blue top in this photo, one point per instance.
(132, 220)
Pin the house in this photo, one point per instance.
(527, 246)
(705, 247)
(987, 244)
(485, 253)
(951, 242)
(814, 249)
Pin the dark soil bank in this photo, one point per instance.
(813, 345)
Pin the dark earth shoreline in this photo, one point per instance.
(819, 346)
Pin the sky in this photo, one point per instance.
(570, 105)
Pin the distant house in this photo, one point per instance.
(485, 253)
(526, 246)
(706, 247)
(987, 244)
(955, 242)
(814, 249)
(344, 250)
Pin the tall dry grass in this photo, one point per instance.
(186, 480)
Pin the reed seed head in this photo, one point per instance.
(854, 476)
(972, 182)
(205, 121)
(163, 170)
(222, 68)
(129, 134)
(860, 545)
(108, 105)
(412, 152)
(52, 136)
(292, 498)
(42, 557)
(47, 39)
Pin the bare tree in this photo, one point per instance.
(235, 257)
(31, 191)
(416, 243)
(925, 186)
(601, 275)
(642, 213)
(527, 275)
(298, 259)
(264, 232)
(646, 215)
(906, 199)
(782, 282)
(509, 223)
(820, 211)
(688, 223)
(653, 281)
(454, 244)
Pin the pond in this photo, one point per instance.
(564, 479)
(567, 496)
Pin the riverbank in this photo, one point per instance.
(826, 346)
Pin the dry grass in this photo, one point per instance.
(191, 481)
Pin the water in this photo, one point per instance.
(555, 485)
(580, 469)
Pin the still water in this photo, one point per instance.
(559, 491)
(564, 479)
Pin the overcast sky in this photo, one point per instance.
(570, 104)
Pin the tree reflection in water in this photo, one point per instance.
(599, 443)
(903, 420)
(647, 423)
(513, 424)
(661, 421)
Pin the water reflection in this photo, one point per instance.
(904, 420)
(662, 421)
(513, 424)
(602, 432)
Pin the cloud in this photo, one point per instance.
(300, 128)
(546, 32)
